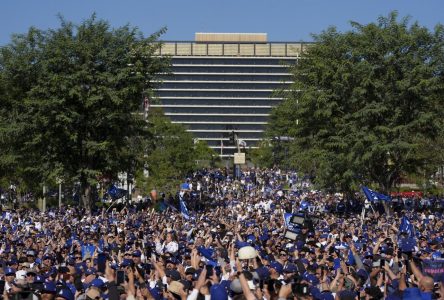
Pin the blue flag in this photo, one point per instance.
(373, 196)
(116, 193)
(406, 226)
(184, 209)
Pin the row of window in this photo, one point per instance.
(225, 128)
(228, 77)
(219, 135)
(232, 61)
(228, 69)
(290, 49)
(235, 119)
(221, 85)
(215, 93)
(217, 110)
(221, 102)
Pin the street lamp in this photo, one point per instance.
(59, 181)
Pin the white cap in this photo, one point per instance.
(247, 252)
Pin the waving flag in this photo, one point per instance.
(184, 209)
(116, 193)
(373, 196)
(407, 227)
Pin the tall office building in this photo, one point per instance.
(222, 83)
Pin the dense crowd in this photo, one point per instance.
(222, 238)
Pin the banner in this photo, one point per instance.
(434, 268)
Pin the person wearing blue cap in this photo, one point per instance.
(289, 270)
(30, 255)
(9, 279)
(48, 291)
(276, 270)
(90, 275)
(137, 260)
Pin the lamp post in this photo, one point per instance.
(44, 198)
(59, 182)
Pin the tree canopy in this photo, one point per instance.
(364, 103)
(69, 101)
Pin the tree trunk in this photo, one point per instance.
(86, 197)
(386, 187)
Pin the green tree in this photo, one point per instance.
(263, 156)
(69, 101)
(363, 102)
(205, 155)
(171, 155)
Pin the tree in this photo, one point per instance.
(70, 98)
(363, 102)
(263, 155)
(205, 155)
(171, 155)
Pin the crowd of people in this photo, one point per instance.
(225, 238)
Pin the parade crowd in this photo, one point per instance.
(266, 235)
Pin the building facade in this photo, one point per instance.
(225, 83)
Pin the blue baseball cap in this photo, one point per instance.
(263, 273)
(49, 287)
(9, 271)
(126, 262)
(65, 294)
(39, 279)
(47, 256)
(13, 261)
(90, 271)
(277, 266)
(290, 268)
(98, 283)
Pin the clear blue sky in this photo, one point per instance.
(283, 20)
